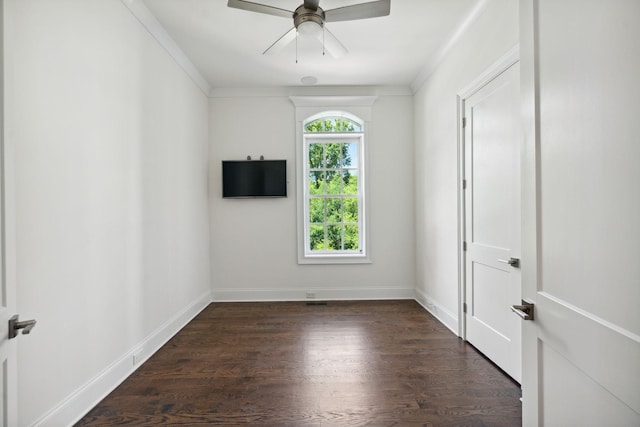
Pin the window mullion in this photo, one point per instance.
(332, 168)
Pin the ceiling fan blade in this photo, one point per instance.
(281, 43)
(332, 44)
(311, 4)
(260, 8)
(372, 9)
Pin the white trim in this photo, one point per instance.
(336, 114)
(332, 101)
(494, 70)
(222, 92)
(149, 21)
(300, 294)
(328, 259)
(590, 317)
(305, 108)
(440, 54)
(8, 241)
(500, 66)
(530, 203)
(338, 255)
(598, 354)
(77, 404)
(462, 325)
(308, 106)
(437, 310)
(80, 402)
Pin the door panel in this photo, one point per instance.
(596, 347)
(492, 219)
(581, 175)
(490, 282)
(564, 382)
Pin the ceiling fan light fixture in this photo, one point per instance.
(309, 19)
(310, 29)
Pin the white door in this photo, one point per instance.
(8, 369)
(492, 140)
(581, 212)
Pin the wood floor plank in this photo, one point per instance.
(355, 363)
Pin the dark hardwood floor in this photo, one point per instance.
(364, 363)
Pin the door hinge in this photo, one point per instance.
(464, 122)
(464, 246)
(464, 307)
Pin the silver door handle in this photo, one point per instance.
(525, 310)
(513, 262)
(15, 326)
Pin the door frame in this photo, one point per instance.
(8, 241)
(529, 184)
(501, 65)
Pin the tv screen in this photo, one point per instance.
(254, 178)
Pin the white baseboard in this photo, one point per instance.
(445, 317)
(322, 294)
(81, 401)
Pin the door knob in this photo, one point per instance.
(15, 326)
(525, 310)
(513, 262)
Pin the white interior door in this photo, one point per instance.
(8, 350)
(581, 212)
(492, 219)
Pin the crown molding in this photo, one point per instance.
(440, 54)
(329, 101)
(149, 21)
(310, 91)
(157, 31)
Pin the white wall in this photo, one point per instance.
(253, 242)
(493, 34)
(110, 140)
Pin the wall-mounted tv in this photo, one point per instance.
(254, 178)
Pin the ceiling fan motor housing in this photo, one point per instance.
(302, 14)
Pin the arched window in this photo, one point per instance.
(333, 175)
(331, 150)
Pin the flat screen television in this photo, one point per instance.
(254, 178)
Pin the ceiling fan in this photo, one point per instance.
(309, 19)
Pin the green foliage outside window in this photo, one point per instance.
(333, 188)
(332, 125)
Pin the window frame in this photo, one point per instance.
(329, 138)
(352, 108)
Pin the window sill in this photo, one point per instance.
(334, 259)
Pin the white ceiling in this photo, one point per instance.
(226, 44)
